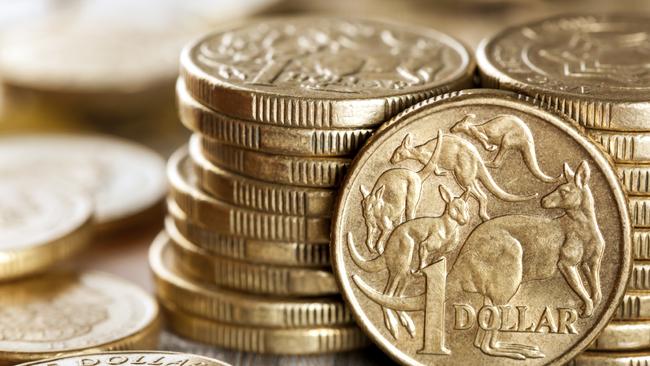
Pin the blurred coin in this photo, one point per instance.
(611, 359)
(125, 179)
(200, 265)
(319, 72)
(249, 250)
(266, 138)
(233, 220)
(258, 195)
(635, 306)
(65, 313)
(291, 341)
(623, 336)
(41, 224)
(321, 172)
(592, 68)
(130, 358)
(232, 307)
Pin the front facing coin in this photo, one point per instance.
(449, 254)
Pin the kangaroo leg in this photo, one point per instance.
(404, 317)
(481, 198)
(570, 257)
(504, 147)
(591, 269)
(390, 318)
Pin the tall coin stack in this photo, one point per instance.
(594, 69)
(279, 108)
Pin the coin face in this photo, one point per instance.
(449, 254)
(322, 72)
(70, 312)
(124, 178)
(131, 359)
(593, 68)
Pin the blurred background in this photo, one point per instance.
(109, 66)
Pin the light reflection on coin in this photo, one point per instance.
(130, 358)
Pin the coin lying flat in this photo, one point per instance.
(610, 359)
(323, 172)
(635, 178)
(130, 358)
(472, 266)
(623, 336)
(635, 306)
(592, 68)
(641, 240)
(296, 341)
(227, 306)
(624, 147)
(65, 313)
(233, 220)
(40, 224)
(322, 72)
(640, 211)
(258, 195)
(248, 250)
(124, 178)
(201, 265)
(266, 137)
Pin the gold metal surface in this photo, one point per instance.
(610, 359)
(635, 306)
(639, 211)
(623, 336)
(130, 358)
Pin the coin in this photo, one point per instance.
(266, 138)
(199, 264)
(640, 211)
(233, 220)
(623, 336)
(295, 341)
(130, 358)
(610, 359)
(635, 178)
(640, 278)
(65, 313)
(624, 147)
(322, 72)
(591, 68)
(641, 240)
(232, 307)
(481, 247)
(125, 179)
(40, 224)
(635, 306)
(249, 250)
(324, 172)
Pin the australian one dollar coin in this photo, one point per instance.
(479, 229)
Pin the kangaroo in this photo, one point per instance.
(501, 254)
(504, 133)
(428, 237)
(463, 160)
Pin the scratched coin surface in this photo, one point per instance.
(450, 254)
(66, 312)
(124, 178)
(593, 68)
(130, 358)
(322, 72)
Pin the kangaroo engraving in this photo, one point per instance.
(462, 159)
(504, 133)
(428, 237)
(501, 254)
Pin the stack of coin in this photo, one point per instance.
(279, 108)
(594, 69)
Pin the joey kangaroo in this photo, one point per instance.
(428, 237)
(504, 133)
(501, 254)
(463, 160)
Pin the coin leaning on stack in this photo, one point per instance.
(605, 91)
(279, 108)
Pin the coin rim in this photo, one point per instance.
(48, 361)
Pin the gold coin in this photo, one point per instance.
(624, 147)
(640, 278)
(41, 224)
(233, 220)
(268, 138)
(249, 250)
(610, 359)
(641, 240)
(200, 265)
(640, 211)
(130, 358)
(232, 307)
(635, 178)
(591, 68)
(65, 313)
(258, 195)
(623, 336)
(322, 72)
(125, 179)
(324, 172)
(483, 260)
(635, 306)
(295, 341)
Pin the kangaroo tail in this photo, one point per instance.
(489, 183)
(530, 158)
(369, 265)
